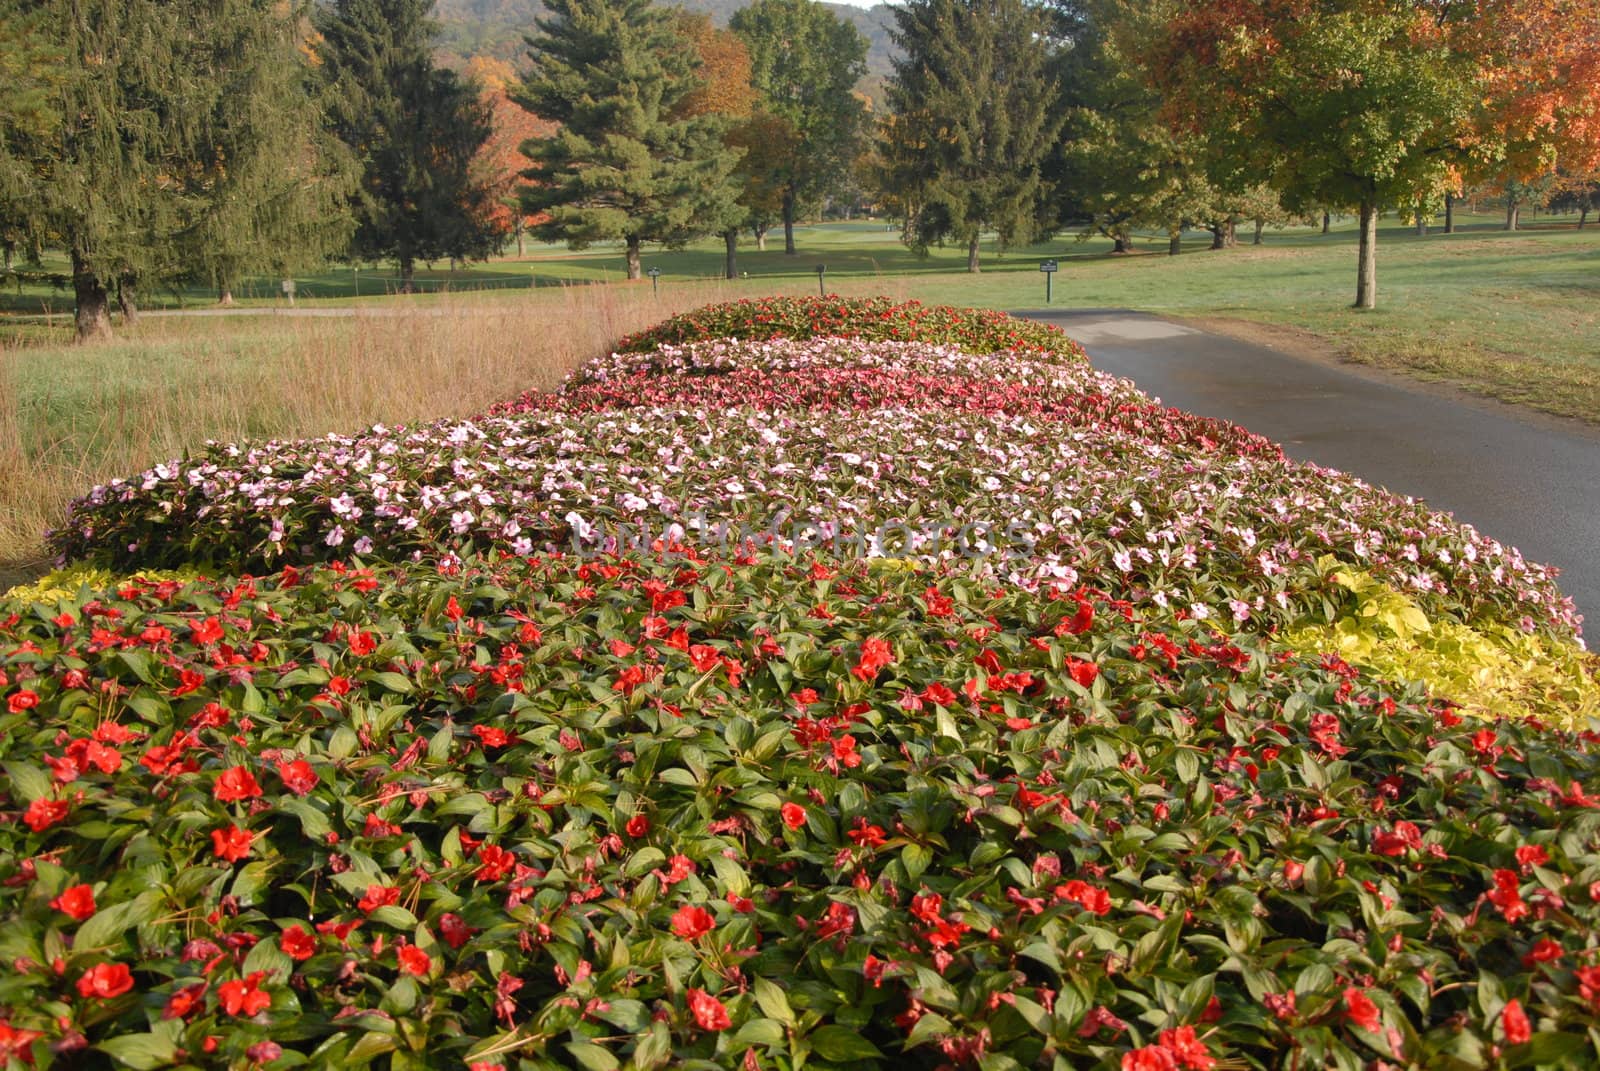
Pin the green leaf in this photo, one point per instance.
(765, 1032)
(28, 782)
(140, 1051)
(840, 1045)
(105, 927)
(773, 1001)
(593, 1057)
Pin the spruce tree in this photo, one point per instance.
(88, 167)
(974, 96)
(626, 164)
(271, 183)
(414, 129)
(805, 61)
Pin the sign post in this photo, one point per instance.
(655, 280)
(1049, 269)
(288, 291)
(822, 288)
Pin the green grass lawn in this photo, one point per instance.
(1511, 315)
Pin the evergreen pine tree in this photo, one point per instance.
(974, 96)
(89, 165)
(272, 184)
(414, 129)
(626, 163)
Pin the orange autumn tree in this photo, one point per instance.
(1539, 79)
(500, 160)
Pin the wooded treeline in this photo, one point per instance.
(157, 141)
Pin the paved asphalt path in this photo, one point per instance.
(1526, 481)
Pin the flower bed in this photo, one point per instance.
(571, 814)
(872, 319)
(1192, 512)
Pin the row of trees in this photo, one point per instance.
(158, 140)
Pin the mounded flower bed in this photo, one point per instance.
(575, 814)
(1073, 804)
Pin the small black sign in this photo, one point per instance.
(1047, 265)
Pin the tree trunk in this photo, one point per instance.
(1261, 225)
(1422, 221)
(128, 301)
(408, 273)
(1513, 212)
(1218, 236)
(1232, 233)
(93, 316)
(1449, 213)
(1325, 221)
(225, 295)
(1367, 267)
(760, 230)
(788, 223)
(520, 250)
(1583, 216)
(633, 258)
(1174, 243)
(8, 250)
(730, 238)
(972, 253)
(1119, 243)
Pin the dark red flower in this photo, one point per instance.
(708, 1011)
(1515, 1022)
(794, 815)
(378, 896)
(105, 980)
(234, 784)
(231, 843)
(42, 813)
(690, 922)
(77, 901)
(297, 776)
(297, 944)
(23, 700)
(1359, 1009)
(244, 998)
(414, 960)
(637, 826)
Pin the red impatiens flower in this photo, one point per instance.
(490, 736)
(244, 998)
(1091, 899)
(708, 1011)
(16, 1043)
(494, 862)
(1544, 950)
(185, 1002)
(42, 813)
(455, 932)
(875, 654)
(23, 700)
(77, 901)
(378, 896)
(690, 922)
(205, 632)
(297, 776)
(1507, 895)
(105, 980)
(1359, 1009)
(1405, 836)
(1532, 855)
(297, 944)
(637, 826)
(414, 960)
(1083, 673)
(231, 843)
(234, 784)
(794, 815)
(362, 643)
(1187, 1049)
(1515, 1022)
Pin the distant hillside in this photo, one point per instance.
(496, 28)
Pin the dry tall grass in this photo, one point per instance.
(72, 417)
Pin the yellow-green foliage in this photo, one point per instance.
(66, 583)
(1491, 670)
